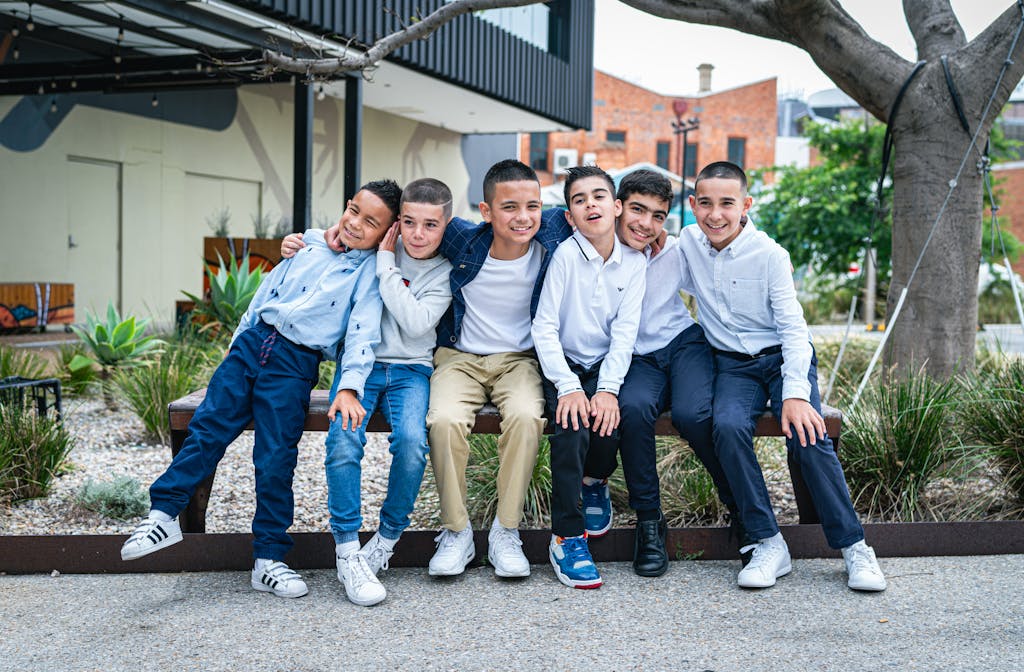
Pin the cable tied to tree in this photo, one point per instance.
(945, 203)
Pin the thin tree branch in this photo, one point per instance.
(977, 65)
(366, 60)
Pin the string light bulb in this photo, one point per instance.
(15, 52)
(53, 105)
(155, 101)
(30, 25)
(74, 83)
(320, 95)
(41, 90)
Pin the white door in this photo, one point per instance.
(94, 234)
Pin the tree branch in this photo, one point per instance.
(935, 28)
(977, 64)
(365, 60)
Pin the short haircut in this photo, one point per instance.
(646, 183)
(430, 191)
(387, 191)
(580, 172)
(507, 170)
(722, 170)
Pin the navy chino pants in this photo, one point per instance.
(265, 379)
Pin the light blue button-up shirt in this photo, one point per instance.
(664, 315)
(746, 300)
(322, 299)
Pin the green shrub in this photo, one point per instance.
(20, 362)
(896, 442)
(232, 287)
(32, 451)
(112, 344)
(993, 417)
(482, 483)
(326, 375)
(172, 373)
(81, 380)
(123, 498)
(688, 495)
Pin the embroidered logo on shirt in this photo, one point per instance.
(405, 281)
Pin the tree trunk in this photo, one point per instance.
(937, 326)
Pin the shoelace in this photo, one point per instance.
(446, 539)
(763, 553)
(358, 569)
(378, 555)
(505, 540)
(576, 550)
(862, 559)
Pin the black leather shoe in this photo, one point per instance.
(649, 555)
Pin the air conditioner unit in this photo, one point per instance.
(565, 159)
(589, 159)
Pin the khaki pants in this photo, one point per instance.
(462, 383)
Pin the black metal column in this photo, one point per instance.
(353, 133)
(302, 187)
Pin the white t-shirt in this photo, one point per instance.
(498, 299)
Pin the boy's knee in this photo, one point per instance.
(635, 411)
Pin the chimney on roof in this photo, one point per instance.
(705, 77)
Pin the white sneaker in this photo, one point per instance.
(377, 554)
(862, 567)
(505, 552)
(454, 551)
(361, 584)
(769, 561)
(151, 535)
(279, 579)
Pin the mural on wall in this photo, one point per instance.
(35, 304)
(29, 124)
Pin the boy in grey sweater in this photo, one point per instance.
(414, 287)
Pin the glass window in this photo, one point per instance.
(661, 155)
(539, 151)
(738, 151)
(690, 164)
(615, 136)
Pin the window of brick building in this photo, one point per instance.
(616, 136)
(661, 155)
(738, 151)
(539, 151)
(690, 163)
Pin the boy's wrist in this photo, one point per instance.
(610, 388)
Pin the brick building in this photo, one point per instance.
(632, 124)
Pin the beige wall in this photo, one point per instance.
(173, 177)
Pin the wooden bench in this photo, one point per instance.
(487, 422)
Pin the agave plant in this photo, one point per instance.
(113, 343)
(232, 287)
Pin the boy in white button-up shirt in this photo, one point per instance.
(747, 305)
(584, 331)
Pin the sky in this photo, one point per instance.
(662, 55)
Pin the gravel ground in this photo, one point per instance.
(111, 444)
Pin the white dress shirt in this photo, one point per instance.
(746, 300)
(589, 310)
(664, 315)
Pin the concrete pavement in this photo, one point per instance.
(947, 613)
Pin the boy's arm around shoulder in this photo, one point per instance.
(362, 333)
(268, 284)
(416, 315)
(789, 321)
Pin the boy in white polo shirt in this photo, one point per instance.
(584, 331)
(747, 304)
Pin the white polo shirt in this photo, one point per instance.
(589, 310)
(746, 300)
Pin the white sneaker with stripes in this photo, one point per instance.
(279, 579)
(151, 535)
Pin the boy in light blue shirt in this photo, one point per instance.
(301, 312)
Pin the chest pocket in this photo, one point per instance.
(748, 298)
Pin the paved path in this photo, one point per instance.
(1008, 338)
(938, 614)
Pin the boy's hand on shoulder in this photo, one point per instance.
(808, 422)
(347, 404)
(390, 239)
(604, 406)
(573, 407)
(658, 244)
(291, 245)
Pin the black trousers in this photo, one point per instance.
(573, 453)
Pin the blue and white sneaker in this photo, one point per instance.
(573, 565)
(597, 508)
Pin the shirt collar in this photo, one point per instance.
(735, 247)
(590, 253)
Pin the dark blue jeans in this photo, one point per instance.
(570, 451)
(265, 379)
(680, 376)
(742, 391)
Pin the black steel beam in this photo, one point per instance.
(302, 182)
(353, 134)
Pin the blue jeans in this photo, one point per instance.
(679, 377)
(401, 391)
(742, 390)
(265, 379)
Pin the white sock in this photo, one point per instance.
(497, 523)
(261, 563)
(156, 514)
(344, 549)
(590, 480)
(387, 543)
